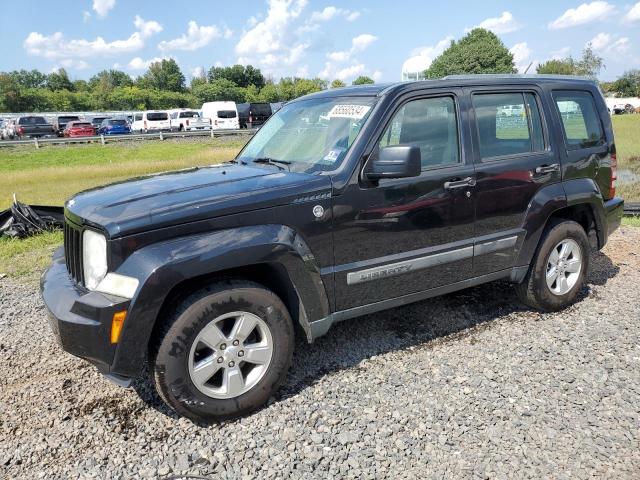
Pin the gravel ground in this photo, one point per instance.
(465, 386)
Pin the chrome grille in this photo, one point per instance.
(73, 251)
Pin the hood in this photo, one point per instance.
(184, 196)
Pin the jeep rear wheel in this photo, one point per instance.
(559, 268)
(224, 351)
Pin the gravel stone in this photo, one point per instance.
(470, 385)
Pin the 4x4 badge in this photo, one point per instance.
(318, 211)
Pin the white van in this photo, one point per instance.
(151, 121)
(221, 114)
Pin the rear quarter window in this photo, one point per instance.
(581, 123)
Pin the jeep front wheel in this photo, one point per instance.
(559, 268)
(224, 351)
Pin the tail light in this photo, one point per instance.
(614, 175)
(20, 131)
(145, 124)
(187, 123)
(250, 118)
(216, 122)
(210, 122)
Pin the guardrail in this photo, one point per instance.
(632, 209)
(38, 142)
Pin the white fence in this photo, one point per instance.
(104, 139)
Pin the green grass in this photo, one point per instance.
(52, 174)
(28, 257)
(631, 221)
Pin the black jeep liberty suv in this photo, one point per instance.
(346, 202)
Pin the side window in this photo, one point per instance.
(580, 119)
(508, 124)
(137, 117)
(429, 124)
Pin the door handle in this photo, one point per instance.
(555, 167)
(465, 182)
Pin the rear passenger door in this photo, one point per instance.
(514, 158)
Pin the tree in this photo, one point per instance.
(10, 94)
(240, 75)
(564, 66)
(363, 80)
(628, 85)
(480, 51)
(337, 83)
(29, 78)
(589, 65)
(219, 90)
(107, 80)
(59, 80)
(164, 75)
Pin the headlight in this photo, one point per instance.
(94, 258)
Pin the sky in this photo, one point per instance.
(311, 38)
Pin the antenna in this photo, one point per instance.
(525, 72)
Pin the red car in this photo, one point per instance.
(79, 129)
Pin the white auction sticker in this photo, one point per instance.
(349, 111)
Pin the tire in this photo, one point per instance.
(183, 344)
(535, 290)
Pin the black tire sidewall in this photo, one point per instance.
(557, 233)
(171, 362)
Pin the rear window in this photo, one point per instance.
(117, 122)
(226, 114)
(580, 119)
(31, 121)
(508, 124)
(261, 109)
(154, 116)
(188, 114)
(67, 119)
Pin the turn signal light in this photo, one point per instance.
(614, 175)
(116, 325)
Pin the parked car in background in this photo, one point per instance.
(97, 121)
(8, 131)
(253, 114)
(243, 114)
(114, 126)
(151, 121)
(185, 120)
(79, 129)
(221, 114)
(31, 126)
(61, 121)
(621, 108)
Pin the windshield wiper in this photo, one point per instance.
(272, 161)
(236, 161)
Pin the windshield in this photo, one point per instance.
(313, 135)
(67, 119)
(31, 120)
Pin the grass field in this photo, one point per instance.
(51, 175)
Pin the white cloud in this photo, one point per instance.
(195, 38)
(138, 63)
(361, 42)
(607, 44)
(505, 23)
(102, 7)
(86, 16)
(351, 72)
(561, 53)
(57, 46)
(146, 28)
(583, 14)
(331, 12)
(522, 57)
(376, 76)
(268, 35)
(633, 15)
(422, 57)
(332, 68)
(197, 72)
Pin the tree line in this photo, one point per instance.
(162, 86)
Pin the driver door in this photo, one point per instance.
(403, 236)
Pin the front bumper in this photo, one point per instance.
(80, 319)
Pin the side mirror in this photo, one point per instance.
(401, 161)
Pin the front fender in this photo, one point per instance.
(160, 267)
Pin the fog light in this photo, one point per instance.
(116, 325)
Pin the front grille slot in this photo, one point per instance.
(73, 251)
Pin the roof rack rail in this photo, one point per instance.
(516, 75)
